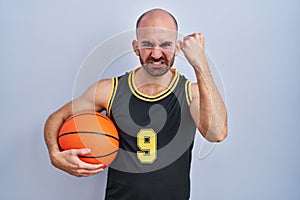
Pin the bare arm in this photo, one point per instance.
(207, 107)
(94, 98)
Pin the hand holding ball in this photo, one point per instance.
(91, 130)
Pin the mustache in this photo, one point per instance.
(161, 59)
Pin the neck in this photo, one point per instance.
(152, 84)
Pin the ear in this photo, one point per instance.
(177, 47)
(135, 47)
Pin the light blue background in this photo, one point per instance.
(255, 45)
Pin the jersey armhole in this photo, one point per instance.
(113, 90)
(188, 92)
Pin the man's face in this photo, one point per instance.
(156, 48)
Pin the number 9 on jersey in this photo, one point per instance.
(146, 141)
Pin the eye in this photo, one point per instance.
(147, 44)
(166, 45)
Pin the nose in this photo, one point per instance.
(156, 53)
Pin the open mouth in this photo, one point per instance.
(157, 63)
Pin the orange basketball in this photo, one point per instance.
(91, 130)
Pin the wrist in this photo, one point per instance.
(202, 71)
(200, 64)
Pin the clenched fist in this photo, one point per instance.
(192, 47)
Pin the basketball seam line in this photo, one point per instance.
(86, 113)
(88, 132)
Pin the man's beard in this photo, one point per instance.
(159, 71)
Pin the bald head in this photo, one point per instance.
(157, 18)
(156, 43)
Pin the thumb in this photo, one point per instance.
(182, 45)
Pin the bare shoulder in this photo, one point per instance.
(97, 95)
(100, 87)
(102, 91)
(104, 83)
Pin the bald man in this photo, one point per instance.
(156, 111)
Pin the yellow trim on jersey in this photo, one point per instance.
(149, 98)
(188, 93)
(113, 91)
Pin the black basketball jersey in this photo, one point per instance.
(156, 139)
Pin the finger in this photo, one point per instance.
(201, 38)
(76, 163)
(190, 36)
(96, 171)
(193, 35)
(197, 36)
(88, 166)
(85, 173)
(181, 44)
(79, 151)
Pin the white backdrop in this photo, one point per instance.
(255, 45)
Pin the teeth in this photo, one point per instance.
(157, 63)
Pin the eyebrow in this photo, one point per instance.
(150, 43)
(146, 42)
(166, 43)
